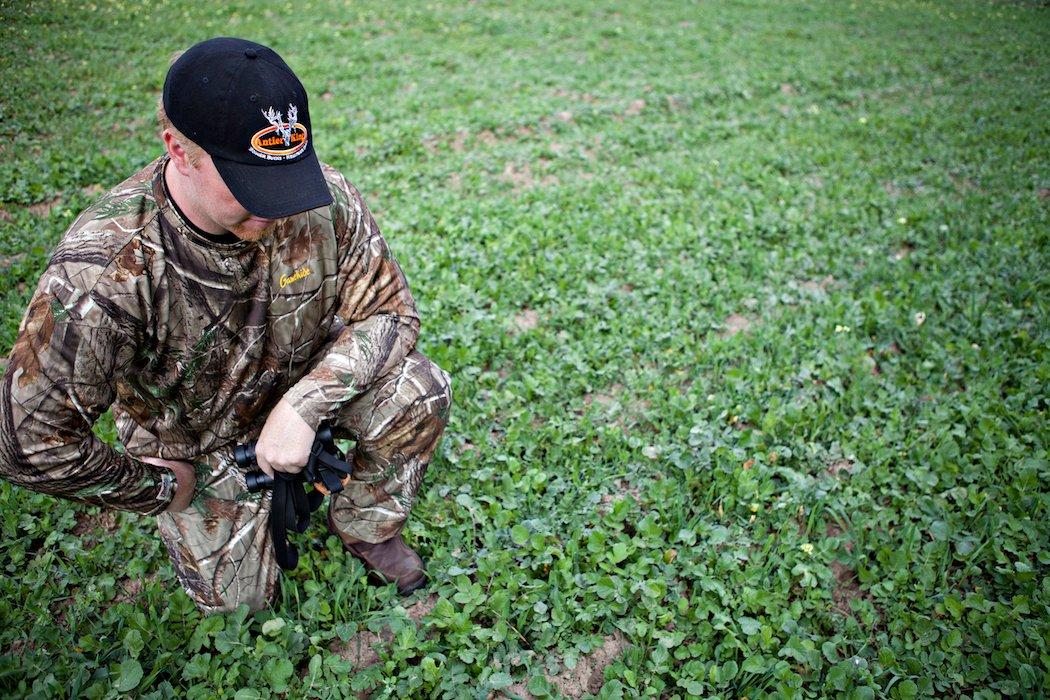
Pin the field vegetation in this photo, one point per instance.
(746, 308)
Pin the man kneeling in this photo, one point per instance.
(234, 289)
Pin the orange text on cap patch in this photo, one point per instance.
(267, 141)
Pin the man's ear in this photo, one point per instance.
(177, 153)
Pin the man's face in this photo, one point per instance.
(216, 203)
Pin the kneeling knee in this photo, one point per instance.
(437, 388)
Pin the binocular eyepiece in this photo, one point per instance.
(255, 479)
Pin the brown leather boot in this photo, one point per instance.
(392, 560)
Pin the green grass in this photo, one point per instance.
(848, 497)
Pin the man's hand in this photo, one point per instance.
(285, 441)
(185, 477)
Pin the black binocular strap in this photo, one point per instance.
(291, 505)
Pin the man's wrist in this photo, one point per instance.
(302, 408)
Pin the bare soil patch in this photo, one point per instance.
(526, 320)
(635, 108)
(846, 588)
(130, 588)
(458, 141)
(18, 645)
(600, 398)
(833, 530)
(876, 369)
(733, 324)
(466, 447)
(44, 207)
(621, 410)
(521, 177)
(58, 608)
(622, 489)
(105, 520)
(892, 189)
(574, 96)
(421, 608)
(431, 143)
(840, 465)
(589, 675)
(591, 154)
(875, 355)
(903, 251)
(818, 285)
(364, 648)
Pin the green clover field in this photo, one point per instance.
(745, 304)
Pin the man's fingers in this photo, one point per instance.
(266, 468)
(289, 468)
(285, 441)
(270, 467)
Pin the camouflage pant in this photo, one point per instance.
(221, 547)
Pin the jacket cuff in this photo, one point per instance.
(306, 409)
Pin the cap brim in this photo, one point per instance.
(275, 191)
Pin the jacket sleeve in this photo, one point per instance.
(381, 324)
(71, 349)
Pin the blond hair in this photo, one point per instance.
(194, 152)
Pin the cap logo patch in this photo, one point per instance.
(282, 139)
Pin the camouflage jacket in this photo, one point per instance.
(191, 341)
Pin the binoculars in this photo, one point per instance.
(326, 468)
(291, 505)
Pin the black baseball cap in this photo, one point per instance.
(244, 106)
